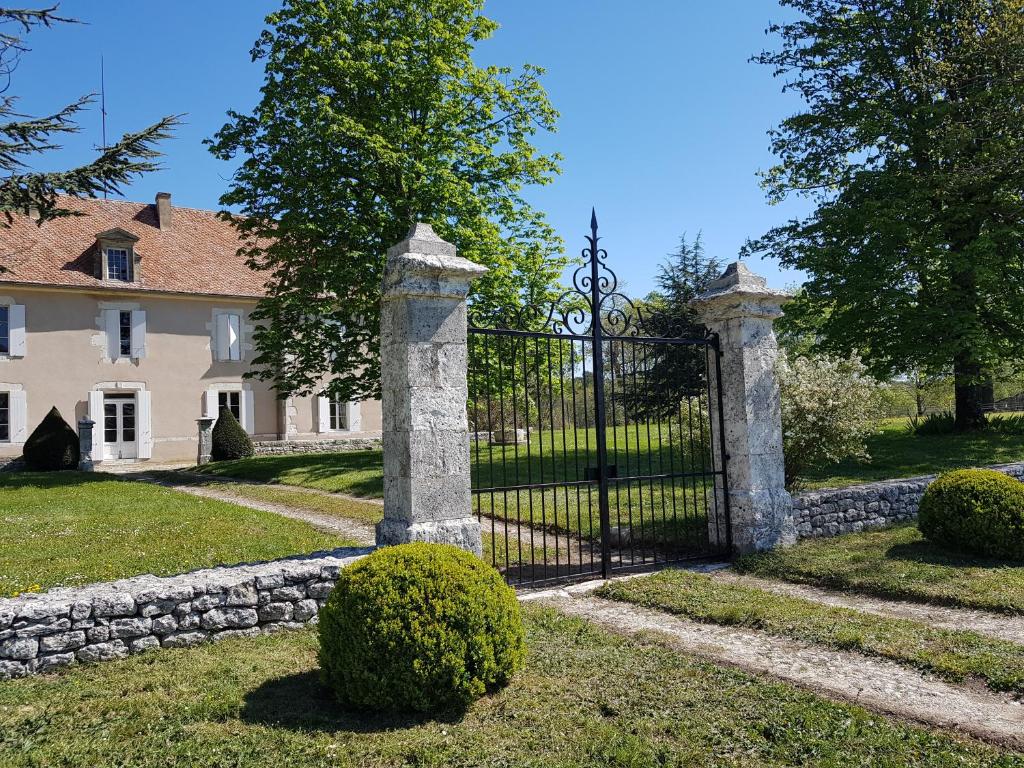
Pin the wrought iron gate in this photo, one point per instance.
(595, 438)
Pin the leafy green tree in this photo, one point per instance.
(911, 147)
(665, 374)
(23, 139)
(374, 114)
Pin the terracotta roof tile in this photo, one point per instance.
(198, 254)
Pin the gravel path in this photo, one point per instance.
(352, 529)
(1000, 626)
(876, 684)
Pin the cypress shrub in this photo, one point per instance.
(420, 627)
(229, 439)
(980, 511)
(52, 446)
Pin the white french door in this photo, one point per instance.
(120, 424)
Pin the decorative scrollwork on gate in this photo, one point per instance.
(594, 294)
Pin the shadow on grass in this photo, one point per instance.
(926, 553)
(301, 702)
(317, 470)
(64, 479)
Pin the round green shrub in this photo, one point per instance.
(419, 627)
(229, 439)
(52, 446)
(975, 510)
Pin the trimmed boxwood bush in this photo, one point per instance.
(421, 627)
(52, 446)
(975, 510)
(229, 439)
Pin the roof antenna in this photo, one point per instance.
(103, 111)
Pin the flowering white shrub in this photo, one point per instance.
(829, 406)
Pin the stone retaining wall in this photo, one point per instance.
(100, 622)
(280, 447)
(832, 511)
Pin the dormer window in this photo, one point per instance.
(117, 259)
(118, 265)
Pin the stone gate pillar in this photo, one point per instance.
(205, 426)
(741, 309)
(423, 394)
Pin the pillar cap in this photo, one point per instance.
(425, 264)
(738, 292)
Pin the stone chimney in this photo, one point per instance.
(163, 210)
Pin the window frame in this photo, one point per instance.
(228, 395)
(124, 333)
(337, 415)
(113, 274)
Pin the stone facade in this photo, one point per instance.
(740, 309)
(100, 622)
(833, 511)
(423, 354)
(281, 447)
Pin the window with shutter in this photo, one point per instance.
(228, 337)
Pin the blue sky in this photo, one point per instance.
(663, 124)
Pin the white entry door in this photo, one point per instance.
(119, 427)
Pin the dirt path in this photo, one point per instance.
(876, 684)
(995, 625)
(352, 529)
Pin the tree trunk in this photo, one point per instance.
(969, 389)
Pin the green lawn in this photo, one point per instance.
(343, 507)
(70, 528)
(955, 656)
(586, 698)
(895, 452)
(896, 563)
(359, 473)
(662, 512)
(368, 513)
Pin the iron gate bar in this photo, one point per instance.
(610, 344)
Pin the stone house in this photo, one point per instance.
(137, 316)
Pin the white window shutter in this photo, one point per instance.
(210, 409)
(16, 330)
(96, 415)
(221, 342)
(234, 338)
(112, 321)
(247, 407)
(138, 334)
(323, 414)
(354, 421)
(144, 424)
(19, 416)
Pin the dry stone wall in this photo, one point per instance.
(281, 447)
(833, 511)
(100, 622)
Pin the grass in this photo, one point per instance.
(70, 528)
(895, 452)
(896, 563)
(367, 513)
(585, 698)
(342, 507)
(661, 513)
(953, 655)
(359, 473)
